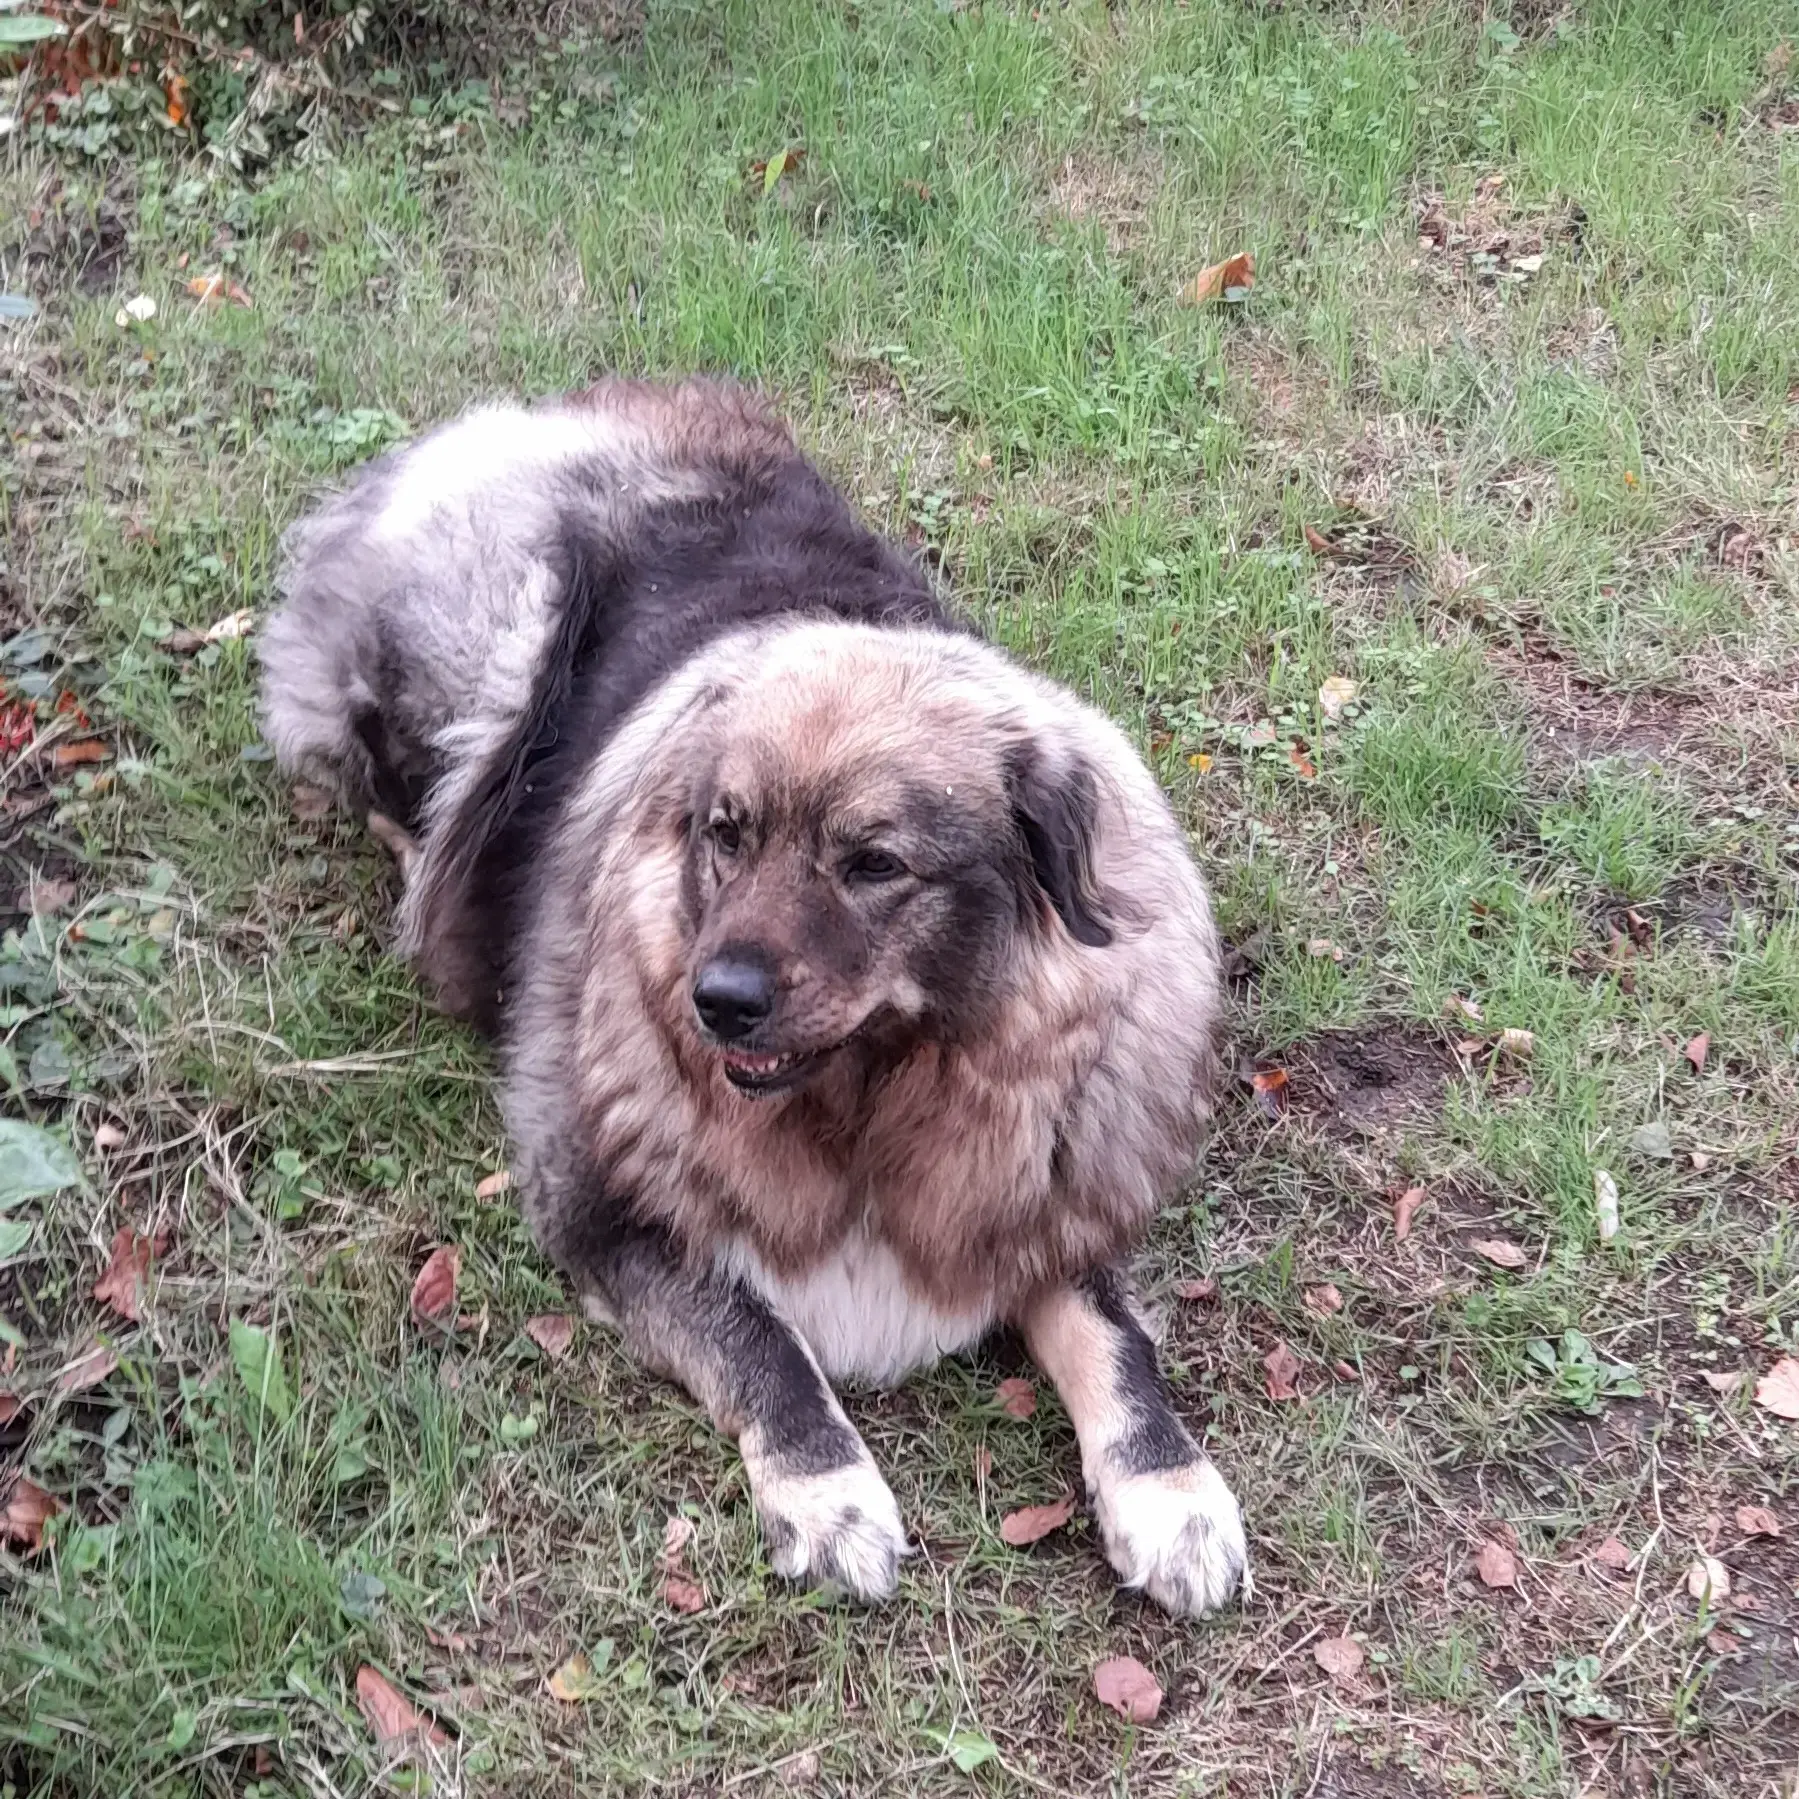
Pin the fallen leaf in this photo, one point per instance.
(1283, 1368)
(184, 641)
(783, 162)
(1721, 1642)
(139, 309)
(1697, 1049)
(452, 1640)
(1527, 265)
(310, 802)
(1778, 1390)
(1206, 1288)
(207, 290)
(1322, 947)
(1017, 1398)
(1343, 1371)
(493, 1185)
(1334, 693)
(109, 1136)
(1318, 543)
(44, 897)
(1128, 1688)
(233, 624)
(677, 1533)
(1499, 1252)
(1653, 1139)
(575, 1681)
(1612, 1554)
(683, 1595)
(1605, 1203)
(122, 1285)
(34, 1162)
(1456, 1006)
(1708, 1580)
(1236, 274)
(1496, 1565)
(1700, 1160)
(1720, 1382)
(1758, 1521)
(1340, 1657)
(434, 1292)
(1030, 1523)
(1323, 1300)
(1515, 1042)
(256, 1354)
(552, 1332)
(88, 1369)
(28, 1509)
(390, 1713)
(968, 1749)
(1405, 1208)
(1307, 769)
(83, 749)
(1270, 1086)
(1200, 762)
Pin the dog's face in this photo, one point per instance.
(861, 872)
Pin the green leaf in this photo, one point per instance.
(361, 1594)
(181, 1731)
(27, 28)
(772, 171)
(15, 1233)
(257, 1354)
(1653, 1140)
(33, 1162)
(968, 1749)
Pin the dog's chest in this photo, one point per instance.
(857, 1314)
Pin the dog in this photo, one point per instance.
(855, 991)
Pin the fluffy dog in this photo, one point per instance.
(855, 989)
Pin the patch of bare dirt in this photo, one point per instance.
(1369, 1081)
(1488, 242)
(1351, 1778)
(1108, 192)
(1573, 719)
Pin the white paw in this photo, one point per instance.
(842, 1526)
(1177, 1534)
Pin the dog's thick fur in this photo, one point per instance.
(855, 988)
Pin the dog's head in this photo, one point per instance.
(882, 827)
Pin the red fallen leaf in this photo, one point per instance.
(1323, 1300)
(1696, 1050)
(434, 1292)
(1405, 1208)
(122, 1285)
(389, 1712)
(1283, 1368)
(1612, 1554)
(1128, 1688)
(84, 749)
(1017, 1398)
(1216, 282)
(1206, 1288)
(1031, 1523)
(1499, 1252)
(1270, 1086)
(1758, 1521)
(552, 1332)
(1318, 543)
(1778, 1390)
(683, 1595)
(1340, 1657)
(1496, 1565)
(28, 1509)
(1296, 754)
(452, 1640)
(88, 1369)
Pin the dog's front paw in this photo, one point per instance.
(1177, 1533)
(841, 1526)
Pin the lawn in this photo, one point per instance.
(1449, 578)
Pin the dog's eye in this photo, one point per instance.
(871, 866)
(724, 836)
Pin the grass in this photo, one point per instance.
(1541, 515)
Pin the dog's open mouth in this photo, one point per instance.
(765, 1075)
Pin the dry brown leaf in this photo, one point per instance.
(677, 1533)
(1340, 1657)
(1514, 1042)
(1496, 1565)
(1334, 693)
(1323, 1300)
(122, 1285)
(1017, 1398)
(215, 289)
(1302, 763)
(234, 624)
(552, 1332)
(1237, 271)
(1696, 1050)
(1758, 1521)
(493, 1185)
(1778, 1390)
(434, 1292)
(1499, 1252)
(1030, 1523)
(1612, 1554)
(1271, 1090)
(683, 1595)
(1202, 1290)
(1721, 1642)
(1405, 1209)
(452, 1640)
(83, 749)
(1128, 1688)
(1723, 1383)
(390, 1713)
(1456, 1006)
(574, 1682)
(28, 1509)
(1708, 1580)
(88, 1369)
(1283, 1368)
(1317, 542)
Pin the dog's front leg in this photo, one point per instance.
(1170, 1524)
(825, 1510)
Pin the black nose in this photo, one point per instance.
(735, 992)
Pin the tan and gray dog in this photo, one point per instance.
(855, 989)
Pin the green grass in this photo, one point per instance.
(1566, 792)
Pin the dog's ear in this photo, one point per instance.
(1055, 799)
